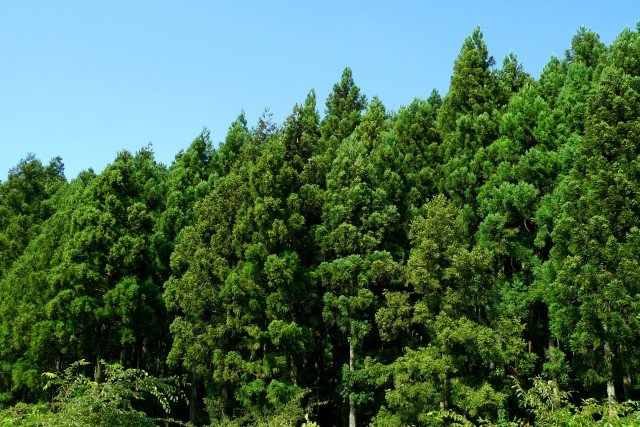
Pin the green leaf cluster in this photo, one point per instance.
(357, 267)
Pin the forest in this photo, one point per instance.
(471, 259)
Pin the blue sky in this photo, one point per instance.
(86, 79)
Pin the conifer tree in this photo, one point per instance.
(594, 291)
(25, 202)
(30, 331)
(448, 311)
(343, 112)
(106, 280)
(358, 220)
(468, 121)
(416, 138)
(246, 335)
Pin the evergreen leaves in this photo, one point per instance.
(362, 267)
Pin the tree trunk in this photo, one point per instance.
(352, 407)
(611, 394)
(193, 398)
(225, 396)
(627, 387)
(97, 369)
(139, 353)
(293, 371)
(123, 356)
(611, 388)
(611, 391)
(102, 340)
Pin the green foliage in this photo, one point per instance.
(123, 398)
(468, 121)
(370, 266)
(549, 405)
(290, 414)
(27, 198)
(344, 106)
(593, 292)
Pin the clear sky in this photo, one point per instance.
(86, 79)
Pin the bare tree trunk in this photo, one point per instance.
(225, 395)
(139, 353)
(193, 398)
(626, 386)
(97, 369)
(611, 388)
(293, 372)
(611, 396)
(611, 391)
(352, 407)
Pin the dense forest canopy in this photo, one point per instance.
(471, 259)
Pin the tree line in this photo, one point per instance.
(462, 260)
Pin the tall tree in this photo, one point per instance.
(448, 310)
(468, 121)
(344, 107)
(106, 279)
(245, 333)
(594, 265)
(526, 165)
(416, 138)
(354, 238)
(29, 330)
(26, 200)
(188, 180)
